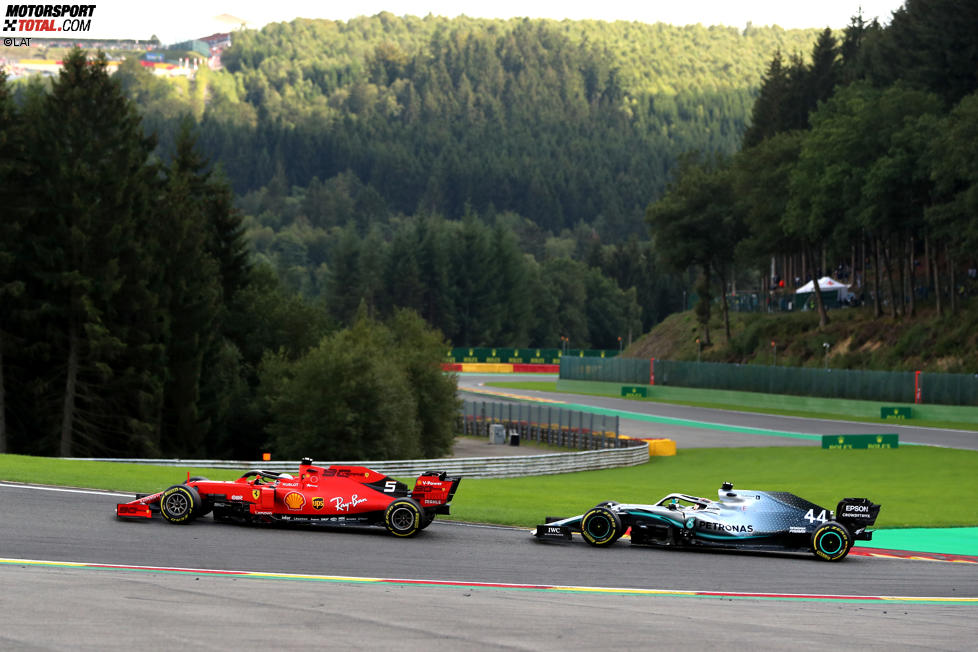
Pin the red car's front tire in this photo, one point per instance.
(180, 504)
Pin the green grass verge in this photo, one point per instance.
(113, 476)
(915, 485)
(792, 406)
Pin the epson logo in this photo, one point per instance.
(857, 508)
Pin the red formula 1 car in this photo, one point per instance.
(333, 495)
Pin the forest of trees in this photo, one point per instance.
(357, 147)
(863, 159)
(134, 322)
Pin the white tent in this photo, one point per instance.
(826, 284)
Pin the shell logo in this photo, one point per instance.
(294, 500)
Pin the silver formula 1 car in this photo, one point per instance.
(745, 519)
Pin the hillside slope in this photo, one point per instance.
(856, 340)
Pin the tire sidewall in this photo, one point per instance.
(397, 507)
(613, 524)
(193, 504)
(831, 541)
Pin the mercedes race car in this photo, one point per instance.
(333, 495)
(743, 520)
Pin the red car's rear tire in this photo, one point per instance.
(403, 517)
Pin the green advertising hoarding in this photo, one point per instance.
(629, 391)
(520, 356)
(895, 413)
(847, 442)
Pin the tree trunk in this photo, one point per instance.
(703, 311)
(852, 268)
(952, 301)
(930, 265)
(937, 282)
(899, 261)
(3, 403)
(823, 315)
(725, 307)
(889, 278)
(68, 412)
(877, 302)
(911, 278)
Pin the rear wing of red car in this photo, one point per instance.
(435, 490)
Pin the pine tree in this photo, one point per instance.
(88, 281)
(766, 116)
(10, 287)
(191, 296)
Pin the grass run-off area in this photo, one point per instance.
(786, 405)
(917, 486)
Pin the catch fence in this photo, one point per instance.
(886, 386)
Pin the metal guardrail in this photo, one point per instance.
(597, 438)
(512, 466)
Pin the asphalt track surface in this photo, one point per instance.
(696, 427)
(73, 577)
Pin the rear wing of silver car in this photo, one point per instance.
(857, 514)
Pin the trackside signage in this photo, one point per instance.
(860, 441)
(629, 391)
(895, 413)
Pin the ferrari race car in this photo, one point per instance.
(333, 495)
(743, 520)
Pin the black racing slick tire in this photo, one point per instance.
(831, 541)
(426, 519)
(180, 504)
(403, 517)
(601, 527)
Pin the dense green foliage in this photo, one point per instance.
(560, 122)
(367, 392)
(133, 322)
(472, 281)
(850, 153)
(361, 150)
